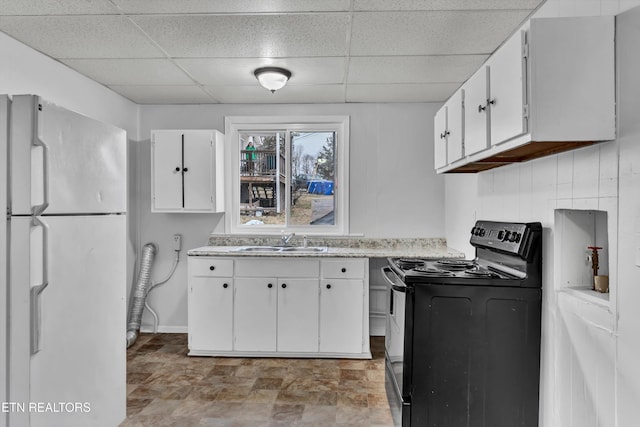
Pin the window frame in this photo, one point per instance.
(235, 125)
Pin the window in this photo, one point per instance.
(288, 173)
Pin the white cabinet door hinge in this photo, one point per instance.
(525, 50)
(525, 111)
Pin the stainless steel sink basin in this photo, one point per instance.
(303, 249)
(310, 249)
(258, 249)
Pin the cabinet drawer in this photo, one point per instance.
(343, 269)
(212, 267)
(277, 267)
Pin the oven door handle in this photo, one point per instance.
(396, 284)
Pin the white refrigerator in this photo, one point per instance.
(63, 252)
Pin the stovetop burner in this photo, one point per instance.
(456, 264)
(408, 264)
(433, 271)
(481, 272)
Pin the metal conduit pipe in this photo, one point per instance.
(139, 293)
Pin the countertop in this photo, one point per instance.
(345, 247)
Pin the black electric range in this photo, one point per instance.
(463, 336)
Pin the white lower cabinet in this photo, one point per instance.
(296, 307)
(298, 315)
(341, 314)
(210, 300)
(254, 314)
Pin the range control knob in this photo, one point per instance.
(482, 232)
(515, 237)
(501, 235)
(507, 235)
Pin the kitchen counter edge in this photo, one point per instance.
(431, 252)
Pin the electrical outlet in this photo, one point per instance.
(177, 242)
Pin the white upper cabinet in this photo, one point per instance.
(187, 171)
(475, 113)
(455, 126)
(549, 88)
(448, 131)
(440, 133)
(507, 91)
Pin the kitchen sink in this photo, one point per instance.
(303, 249)
(310, 249)
(257, 249)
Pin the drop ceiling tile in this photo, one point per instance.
(234, 36)
(80, 36)
(432, 33)
(289, 94)
(229, 6)
(130, 71)
(239, 71)
(425, 92)
(413, 69)
(56, 7)
(156, 94)
(391, 5)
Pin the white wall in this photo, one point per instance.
(590, 373)
(26, 71)
(393, 189)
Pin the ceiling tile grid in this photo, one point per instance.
(202, 51)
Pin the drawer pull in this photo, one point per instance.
(329, 286)
(270, 286)
(284, 285)
(212, 267)
(344, 270)
(225, 285)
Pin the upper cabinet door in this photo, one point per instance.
(455, 126)
(507, 86)
(440, 138)
(475, 112)
(198, 170)
(166, 163)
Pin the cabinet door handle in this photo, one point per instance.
(185, 170)
(212, 267)
(284, 285)
(328, 286)
(492, 102)
(481, 108)
(225, 285)
(178, 169)
(344, 270)
(270, 286)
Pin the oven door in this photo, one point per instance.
(399, 399)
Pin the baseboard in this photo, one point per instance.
(165, 329)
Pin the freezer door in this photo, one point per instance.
(63, 162)
(67, 320)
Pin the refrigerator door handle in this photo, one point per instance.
(38, 142)
(36, 319)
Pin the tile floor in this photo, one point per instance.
(166, 387)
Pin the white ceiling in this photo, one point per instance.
(205, 51)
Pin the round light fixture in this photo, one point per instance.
(272, 78)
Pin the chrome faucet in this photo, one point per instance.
(286, 238)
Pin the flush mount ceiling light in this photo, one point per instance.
(272, 78)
